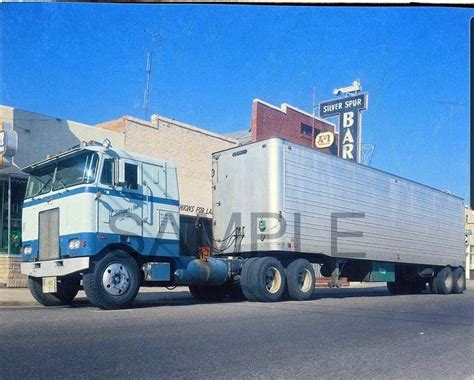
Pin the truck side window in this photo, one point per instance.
(106, 177)
(131, 176)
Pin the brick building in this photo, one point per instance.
(286, 122)
(188, 147)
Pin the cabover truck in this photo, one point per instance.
(108, 220)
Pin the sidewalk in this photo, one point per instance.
(22, 296)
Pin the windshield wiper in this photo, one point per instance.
(58, 178)
(42, 187)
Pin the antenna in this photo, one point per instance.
(146, 95)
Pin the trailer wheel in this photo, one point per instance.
(300, 280)
(113, 282)
(68, 287)
(459, 280)
(268, 279)
(246, 279)
(208, 293)
(444, 281)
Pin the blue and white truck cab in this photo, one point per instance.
(110, 218)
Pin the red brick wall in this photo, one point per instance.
(269, 121)
(117, 125)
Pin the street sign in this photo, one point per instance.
(349, 111)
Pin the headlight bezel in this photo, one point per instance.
(74, 244)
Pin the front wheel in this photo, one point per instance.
(113, 282)
(67, 289)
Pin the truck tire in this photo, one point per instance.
(444, 281)
(300, 280)
(267, 279)
(459, 280)
(208, 293)
(113, 282)
(68, 287)
(245, 279)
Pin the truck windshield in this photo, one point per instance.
(63, 173)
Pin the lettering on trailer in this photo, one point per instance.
(349, 111)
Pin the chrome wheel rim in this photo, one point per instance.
(116, 279)
(304, 280)
(272, 280)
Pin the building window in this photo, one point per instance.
(11, 237)
(306, 130)
(131, 176)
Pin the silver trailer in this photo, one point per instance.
(276, 198)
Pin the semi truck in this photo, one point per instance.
(108, 221)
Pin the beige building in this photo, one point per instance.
(469, 227)
(38, 136)
(188, 147)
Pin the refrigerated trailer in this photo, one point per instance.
(290, 202)
(108, 221)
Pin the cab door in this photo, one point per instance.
(160, 216)
(120, 207)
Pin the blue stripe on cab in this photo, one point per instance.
(96, 241)
(93, 189)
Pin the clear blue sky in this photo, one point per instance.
(86, 62)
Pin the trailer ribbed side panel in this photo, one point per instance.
(393, 219)
(331, 206)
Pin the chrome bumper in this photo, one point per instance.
(55, 267)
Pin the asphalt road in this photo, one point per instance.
(341, 334)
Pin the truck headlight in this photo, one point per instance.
(74, 244)
(27, 250)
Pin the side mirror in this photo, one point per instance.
(119, 172)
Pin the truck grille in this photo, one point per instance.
(49, 234)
